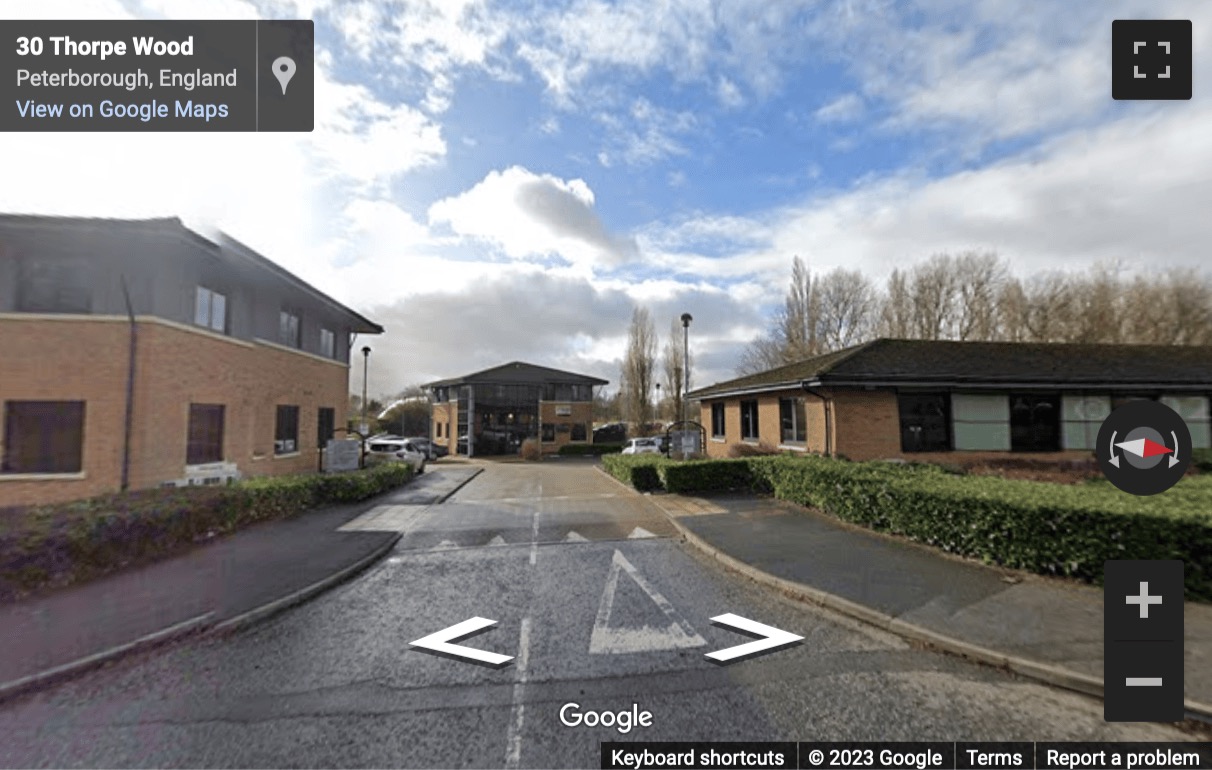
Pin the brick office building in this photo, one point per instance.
(138, 353)
(953, 401)
(508, 404)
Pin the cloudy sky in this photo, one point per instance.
(497, 181)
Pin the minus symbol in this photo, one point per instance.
(1144, 681)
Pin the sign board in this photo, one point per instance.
(342, 455)
(686, 441)
(563, 410)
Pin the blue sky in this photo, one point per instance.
(497, 181)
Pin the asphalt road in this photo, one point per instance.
(598, 606)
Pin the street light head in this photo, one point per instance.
(686, 319)
(366, 350)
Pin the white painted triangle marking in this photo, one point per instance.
(639, 532)
(613, 641)
(498, 540)
(573, 537)
(442, 546)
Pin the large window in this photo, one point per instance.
(43, 437)
(1194, 411)
(793, 421)
(210, 309)
(1034, 422)
(327, 343)
(326, 420)
(717, 420)
(981, 421)
(54, 286)
(924, 422)
(286, 430)
(205, 443)
(749, 420)
(578, 431)
(288, 329)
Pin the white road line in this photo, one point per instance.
(534, 528)
(513, 752)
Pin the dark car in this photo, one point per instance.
(612, 433)
(432, 451)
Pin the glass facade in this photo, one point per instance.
(506, 414)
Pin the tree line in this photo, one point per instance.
(650, 389)
(974, 296)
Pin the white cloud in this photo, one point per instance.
(729, 94)
(530, 216)
(844, 109)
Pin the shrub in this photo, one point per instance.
(706, 476)
(761, 449)
(581, 450)
(640, 471)
(66, 543)
(1202, 460)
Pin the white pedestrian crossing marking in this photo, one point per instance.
(574, 537)
(639, 532)
(498, 540)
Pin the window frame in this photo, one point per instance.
(329, 350)
(754, 420)
(195, 444)
(943, 398)
(798, 412)
(718, 420)
(331, 422)
(286, 431)
(49, 460)
(1054, 442)
(284, 316)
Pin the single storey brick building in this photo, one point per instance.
(493, 411)
(139, 353)
(948, 401)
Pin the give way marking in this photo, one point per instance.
(607, 639)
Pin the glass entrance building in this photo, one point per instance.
(495, 410)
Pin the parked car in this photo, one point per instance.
(400, 450)
(432, 451)
(653, 445)
(610, 433)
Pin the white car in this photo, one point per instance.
(644, 446)
(399, 450)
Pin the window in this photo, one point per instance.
(54, 286)
(1081, 417)
(43, 437)
(925, 422)
(288, 329)
(210, 309)
(749, 420)
(326, 421)
(1194, 411)
(578, 431)
(327, 343)
(205, 438)
(286, 430)
(1034, 422)
(793, 421)
(981, 421)
(548, 433)
(717, 420)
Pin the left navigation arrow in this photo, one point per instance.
(442, 643)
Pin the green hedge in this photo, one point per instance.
(57, 545)
(581, 450)
(640, 471)
(1202, 459)
(706, 475)
(1047, 528)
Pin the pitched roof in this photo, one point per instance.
(976, 364)
(523, 373)
(220, 245)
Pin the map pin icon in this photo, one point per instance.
(284, 70)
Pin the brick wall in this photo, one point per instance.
(769, 424)
(86, 359)
(582, 412)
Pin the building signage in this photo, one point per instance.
(342, 455)
(563, 410)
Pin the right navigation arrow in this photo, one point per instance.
(772, 639)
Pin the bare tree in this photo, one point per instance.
(844, 306)
(896, 307)
(979, 278)
(933, 289)
(800, 320)
(673, 362)
(638, 368)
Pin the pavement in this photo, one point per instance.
(1045, 628)
(231, 582)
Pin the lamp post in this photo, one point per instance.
(658, 401)
(686, 319)
(363, 427)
